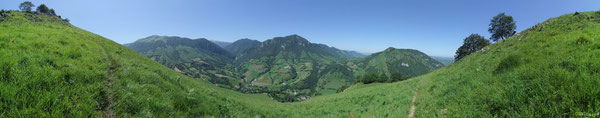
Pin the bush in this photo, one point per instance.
(380, 78)
(341, 89)
(371, 78)
(398, 77)
(583, 41)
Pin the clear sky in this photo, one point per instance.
(436, 27)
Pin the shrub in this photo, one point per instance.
(341, 89)
(380, 78)
(583, 41)
(397, 77)
(369, 78)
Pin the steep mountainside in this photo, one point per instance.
(291, 67)
(237, 47)
(193, 57)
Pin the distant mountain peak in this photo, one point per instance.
(390, 49)
(203, 39)
(291, 39)
(152, 42)
(240, 45)
(243, 39)
(153, 36)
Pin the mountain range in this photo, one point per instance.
(222, 44)
(288, 68)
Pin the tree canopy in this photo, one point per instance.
(43, 9)
(502, 26)
(26, 6)
(471, 44)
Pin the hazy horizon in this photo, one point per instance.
(434, 27)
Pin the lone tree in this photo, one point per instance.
(26, 6)
(502, 27)
(43, 9)
(473, 43)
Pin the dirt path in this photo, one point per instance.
(107, 109)
(411, 114)
(106, 105)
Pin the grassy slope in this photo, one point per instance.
(52, 69)
(537, 73)
(549, 72)
(552, 72)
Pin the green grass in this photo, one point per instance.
(52, 69)
(537, 73)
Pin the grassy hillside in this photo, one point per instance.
(548, 70)
(51, 68)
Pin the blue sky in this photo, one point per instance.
(434, 27)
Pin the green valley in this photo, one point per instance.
(288, 68)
